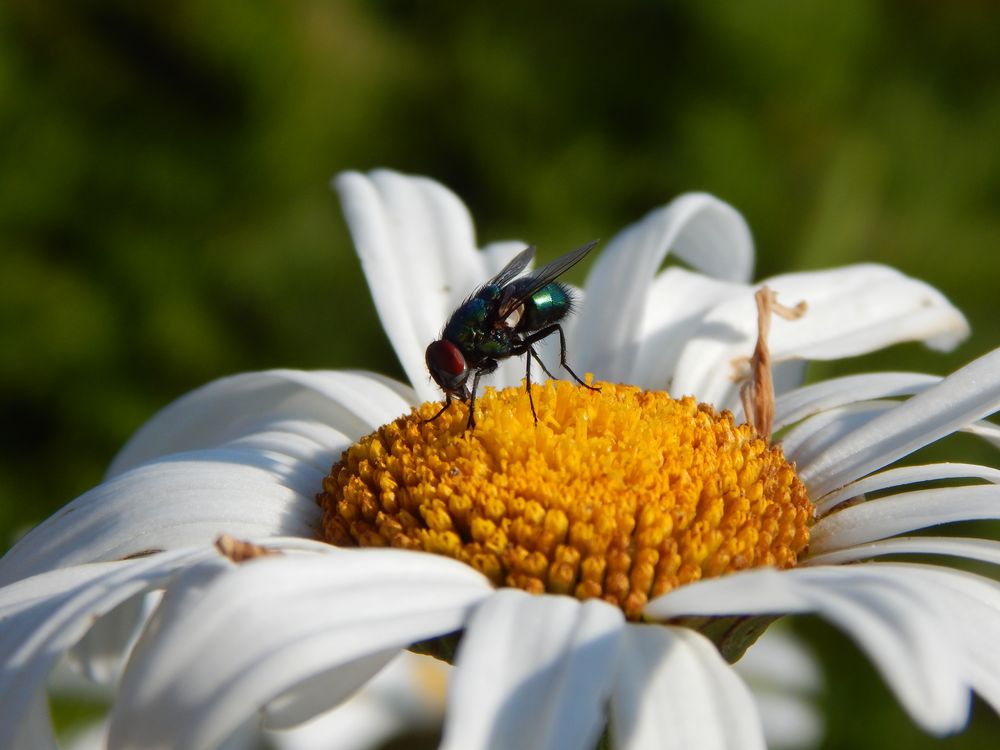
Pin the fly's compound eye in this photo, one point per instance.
(446, 365)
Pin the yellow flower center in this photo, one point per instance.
(622, 494)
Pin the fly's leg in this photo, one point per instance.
(524, 346)
(442, 410)
(527, 375)
(545, 333)
(531, 350)
(488, 366)
(527, 379)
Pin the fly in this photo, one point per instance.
(504, 318)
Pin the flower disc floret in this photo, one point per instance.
(621, 494)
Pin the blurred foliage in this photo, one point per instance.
(166, 218)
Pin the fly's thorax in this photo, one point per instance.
(466, 325)
(548, 305)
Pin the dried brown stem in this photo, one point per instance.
(757, 394)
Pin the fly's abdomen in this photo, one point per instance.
(548, 305)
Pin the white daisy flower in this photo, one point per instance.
(677, 534)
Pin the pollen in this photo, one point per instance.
(622, 494)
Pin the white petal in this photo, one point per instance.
(785, 680)
(176, 502)
(809, 400)
(45, 615)
(960, 399)
(677, 300)
(417, 248)
(862, 308)
(757, 591)
(409, 694)
(352, 403)
(533, 672)
(786, 376)
(852, 310)
(275, 623)
(892, 616)
(902, 476)
(780, 660)
(789, 722)
(674, 690)
(713, 356)
(34, 728)
(906, 511)
(311, 697)
(357, 724)
(974, 605)
(809, 440)
(98, 656)
(985, 430)
(294, 442)
(985, 550)
(709, 234)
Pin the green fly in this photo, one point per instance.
(504, 318)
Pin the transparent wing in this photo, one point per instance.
(544, 275)
(509, 272)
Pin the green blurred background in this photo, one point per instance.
(165, 216)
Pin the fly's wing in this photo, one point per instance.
(492, 291)
(538, 279)
(509, 272)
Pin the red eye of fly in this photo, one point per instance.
(444, 357)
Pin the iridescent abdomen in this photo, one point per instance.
(548, 305)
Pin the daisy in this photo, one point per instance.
(657, 537)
